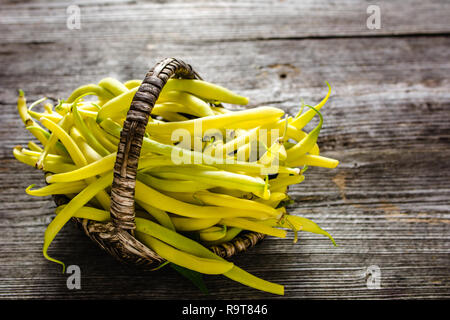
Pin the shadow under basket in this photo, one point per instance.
(117, 236)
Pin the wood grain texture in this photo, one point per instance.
(387, 204)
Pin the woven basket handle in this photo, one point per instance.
(132, 135)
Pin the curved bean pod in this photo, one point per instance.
(92, 89)
(203, 265)
(308, 142)
(67, 141)
(117, 106)
(87, 134)
(301, 121)
(315, 161)
(232, 202)
(172, 185)
(158, 200)
(76, 203)
(56, 188)
(113, 85)
(188, 245)
(190, 224)
(253, 226)
(212, 233)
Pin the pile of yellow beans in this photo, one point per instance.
(206, 173)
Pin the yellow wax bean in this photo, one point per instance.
(76, 203)
(98, 167)
(52, 166)
(130, 84)
(307, 143)
(231, 233)
(172, 185)
(34, 147)
(190, 224)
(212, 233)
(170, 116)
(220, 110)
(250, 280)
(88, 106)
(92, 89)
(233, 192)
(243, 142)
(206, 90)
(238, 142)
(87, 134)
(273, 156)
(57, 188)
(188, 100)
(101, 135)
(95, 168)
(219, 178)
(253, 226)
(50, 156)
(214, 180)
(301, 121)
(161, 216)
(158, 200)
(187, 197)
(243, 153)
(282, 190)
(85, 114)
(304, 224)
(297, 223)
(113, 85)
(232, 202)
(48, 107)
(203, 265)
(88, 152)
(65, 123)
(89, 213)
(271, 203)
(149, 145)
(43, 136)
(285, 181)
(23, 110)
(76, 155)
(55, 117)
(117, 106)
(314, 161)
(238, 119)
(63, 136)
(275, 197)
(188, 245)
(112, 130)
(175, 107)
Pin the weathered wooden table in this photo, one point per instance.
(388, 122)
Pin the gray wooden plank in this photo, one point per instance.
(197, 21)
(387, 204)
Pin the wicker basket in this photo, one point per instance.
(117, 236)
